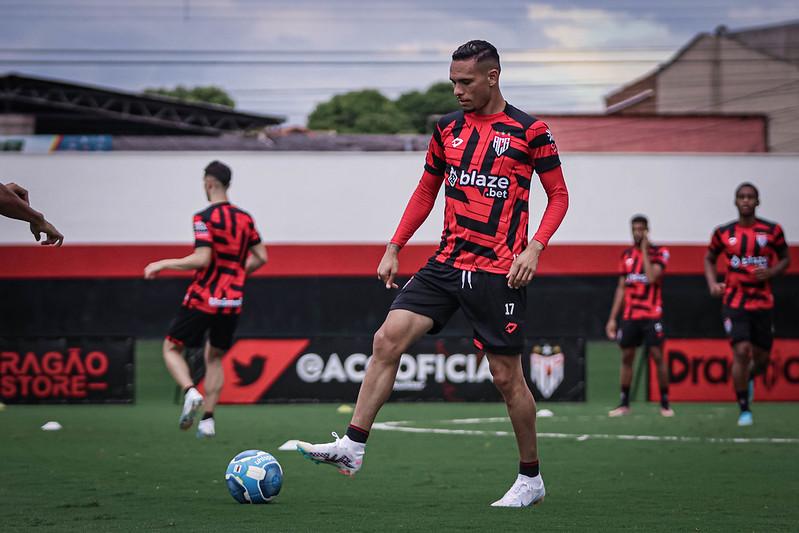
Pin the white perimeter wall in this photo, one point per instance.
(304, 197)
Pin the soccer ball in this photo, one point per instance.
(254, 476)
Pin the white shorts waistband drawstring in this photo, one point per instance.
(466, 277)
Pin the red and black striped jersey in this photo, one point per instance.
(230, 233)
(747, 248)
(486, 163)
(642, 300)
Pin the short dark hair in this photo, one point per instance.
(219, 171)
(480, 50)
(640, 219)
(747, 184)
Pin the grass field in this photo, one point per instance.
(123, 468)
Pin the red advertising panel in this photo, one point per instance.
(66, 370)
(701, 371)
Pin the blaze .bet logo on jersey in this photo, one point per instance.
(492, 186)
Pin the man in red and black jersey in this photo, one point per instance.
(640, 290)
(755, 251)
(484, 156)
(227, 248)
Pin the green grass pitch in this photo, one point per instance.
(127, 468)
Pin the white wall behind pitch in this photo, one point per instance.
(307, 197)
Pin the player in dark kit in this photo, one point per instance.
(484, 156)
(756, 251)
(640, 289)
(227, 248)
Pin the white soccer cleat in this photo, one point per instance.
(344, 454)
(191, 404)
(667, 412)
(524, 492)
(621, 410)
(206, 429)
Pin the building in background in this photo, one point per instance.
(50, 115)
(727, 72)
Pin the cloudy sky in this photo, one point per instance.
(284, 56)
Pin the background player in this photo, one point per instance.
(227, 248)
(756, 251)
(485, 156)
(15, 203)
(640, 289)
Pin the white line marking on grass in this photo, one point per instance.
(405, 427)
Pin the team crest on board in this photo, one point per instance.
(546, 368)
(501, 143)
(762, 239)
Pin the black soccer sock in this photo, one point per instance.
(528, 469)
(186, 389)
(207, 415)
(743, 399)
(357, 434)
(625, 396)
(664, 397)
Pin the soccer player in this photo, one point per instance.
(227, 248)
(756, 251)
(15, 203)
(640, 290)
(484, 156)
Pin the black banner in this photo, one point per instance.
(66, 370)
(445, 369)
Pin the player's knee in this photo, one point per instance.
(214, 355)
(385, 344)
(743, 352)
(504, 378)
(503, 382)
(171, 347)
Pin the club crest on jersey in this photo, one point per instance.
(457, 141)
(629, 261)
(501, 143)
(762, 239)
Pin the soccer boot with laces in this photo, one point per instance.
(524, 492)
(192, 401)
(345, 454)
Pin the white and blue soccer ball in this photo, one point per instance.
(254, 476)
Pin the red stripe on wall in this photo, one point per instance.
(291, 260)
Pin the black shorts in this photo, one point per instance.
(756, 327)
(189, 327)
(495, 311)
(633, 332)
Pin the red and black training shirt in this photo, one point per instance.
(746, 248)
(486, 164)
(642, 300)
(230, 233)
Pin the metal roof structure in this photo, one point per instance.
(70, 108)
